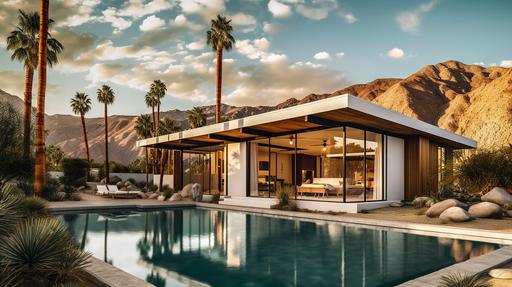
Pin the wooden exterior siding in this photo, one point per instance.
(421, 167)
(178, 170)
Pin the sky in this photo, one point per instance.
(284, 48)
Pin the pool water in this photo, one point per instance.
(203, 247)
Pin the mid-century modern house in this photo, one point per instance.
(337, 154)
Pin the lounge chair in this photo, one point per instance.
(114, 192)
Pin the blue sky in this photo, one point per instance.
(285, 48)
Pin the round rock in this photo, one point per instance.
(485, 210)
(175, 197)
(455, 214)
(438, 208)
(501, 273)
(499, 196)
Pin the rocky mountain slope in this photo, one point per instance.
(467, 99)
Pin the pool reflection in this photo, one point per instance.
(218, 248)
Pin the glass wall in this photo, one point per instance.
(205, 166)
(342, 164)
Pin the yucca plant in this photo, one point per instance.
(40, 252)
(464, 280)
(34, 206)
(10, 198)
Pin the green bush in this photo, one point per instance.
(167, 191)
(284, 194)
(75, 171)
(118, 167)
(481, 171)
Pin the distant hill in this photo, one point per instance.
(466, 99)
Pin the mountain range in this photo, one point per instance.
(470, 100)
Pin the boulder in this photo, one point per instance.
(499, 196)
(127, 183)
(175, 197)
(123, 189)
(132, 187)
(455, 214)
(438, 208)
(186, 191)
(160, 198)
(485, 210)
(508, 213)
(115, 179)
(81, 188)
(153, 196)
(142, 195)
(103, 180)
(429, 203)
(420, 202)
(120, 185)
(396, 204)
(501, 273)
(197, 192)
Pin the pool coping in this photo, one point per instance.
(103, 274)
(475, 265)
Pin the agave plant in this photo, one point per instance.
(40, 252)
(464, 280)
(34, 206)
(10, 198)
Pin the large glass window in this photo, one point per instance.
(342, 164)
(206, 167)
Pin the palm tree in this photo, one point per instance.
(158, 89)
(143, 129)
(40, 161)
(166, 126)
(106, 97)
(81, 104)
(24, 42)
(152, 102)
(219, 38)
(197, 117)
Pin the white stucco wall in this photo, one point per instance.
(237, 169)
(395, 172)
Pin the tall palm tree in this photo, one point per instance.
(197, 117)
(166, 126)
(152, 102)
(158, 89)
(219, 37)
(81, 104)
(143, 129)
(106, 97)
(40, 160)
(24, 42)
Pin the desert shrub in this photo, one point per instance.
(463, 280)
(33, 206)
(75, 171)
(167, 191)
(215, 197)
(40, 252)
(132, 180)
(284, 194)
(153, 187)
(481, 171)
(137, 166)
(75, 196)
(449, 191)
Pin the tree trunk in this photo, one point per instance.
(107, 169)
(219, 85)
(40, 160)
(86, 148)
(147, 167)
(153, 150)
(157, 133)
(162, 168)
(29, 79)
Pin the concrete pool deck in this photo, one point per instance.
(393, 219)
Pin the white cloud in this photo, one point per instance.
(396, 53)
(183, 22)
(313, 12)
(196, 46)
(137, 8)
(242, 19)
(322, 56)
(118, 23)
(253, 49)
(278, 9)
(348, 17)
(479, 63)
(271, 28)
(410, 21)
(151, 23)
(506, 63)
(206, 8)
(340, 55)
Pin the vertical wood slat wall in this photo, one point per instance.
(178, 170)
(421, 167)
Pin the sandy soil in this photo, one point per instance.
(410, 214)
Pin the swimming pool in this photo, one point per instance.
(207, 247)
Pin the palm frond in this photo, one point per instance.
(464, 280)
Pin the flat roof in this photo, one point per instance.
(336, 111)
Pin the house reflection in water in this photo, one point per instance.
(222, 248)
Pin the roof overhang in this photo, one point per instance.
(331, 112)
